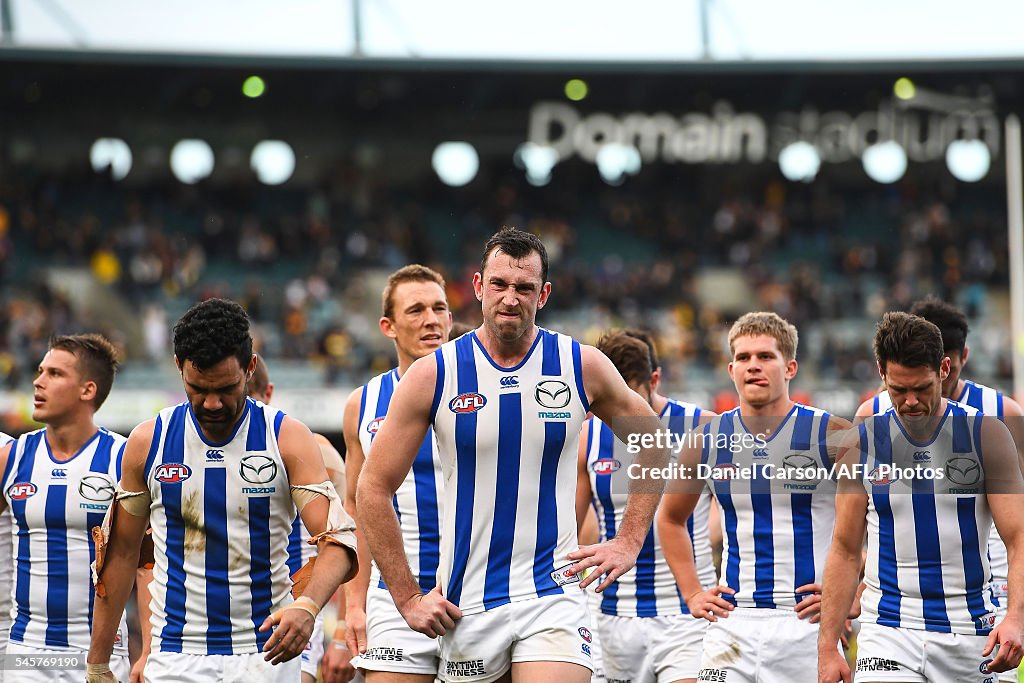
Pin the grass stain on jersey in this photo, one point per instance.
(192, 517)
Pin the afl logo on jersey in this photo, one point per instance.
(880, 477)
(174, 473)
(605, 466)
(258, 469)
(552, 393)
(22, 490)
(467, 403)
(585, 633)
(374, 425)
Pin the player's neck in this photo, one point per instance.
(658, 402)
(766, 418)
(507, 354)
(958, 390)
(65, 439)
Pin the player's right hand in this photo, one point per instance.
(833, 667)
(336, 666)
(430, 614)
(136, 675)
(709, 604)
(291, 633)
(355, 630)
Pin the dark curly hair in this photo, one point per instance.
(210, 331)
(950, 320)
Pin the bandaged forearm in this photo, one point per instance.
(134, 502)
(340, 528)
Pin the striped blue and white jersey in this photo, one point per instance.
(649, 590)
(418, 499)
(927, 560)
(54, 506)
(221, 515)
(776, 531)
(508, 440)
(6, 563)
(989, 401)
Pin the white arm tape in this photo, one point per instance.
(135, 503)
(340, 527)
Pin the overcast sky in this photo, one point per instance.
(533, 29)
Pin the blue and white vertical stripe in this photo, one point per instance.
(774, 541)
(508, 440)
(649, 590)
(927, 565)
(221, 516)
(54, 505)
(418, 499)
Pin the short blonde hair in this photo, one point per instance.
(769, 324)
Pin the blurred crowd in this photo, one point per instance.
(682, 256)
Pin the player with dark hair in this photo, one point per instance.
(415, 316)
(926, 612)
(58, 482)
(644, 626)
(220, 477)
(506, 403)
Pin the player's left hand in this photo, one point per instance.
(290, 635)
(611, 559)
(336, 665)
(810, 607)
(1008, 635)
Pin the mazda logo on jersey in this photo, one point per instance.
(95, 487)
(258, 469)
(467, 403)
(963, 471)
(374, 425)
(798, 461)
(605, 466)
(172, 473)
(22, 490)
(552, 393)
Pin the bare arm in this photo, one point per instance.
(394, 449)
(842, 566)
(1005, 493)
(122, 552)
(865, 410)
(355, 590)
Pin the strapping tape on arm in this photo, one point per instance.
(135, 503)
(340, 528)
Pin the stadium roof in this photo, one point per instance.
(529, 30)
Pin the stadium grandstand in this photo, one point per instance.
(672, 196)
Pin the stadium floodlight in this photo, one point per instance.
(191, 160)
(537, 161)
(273, 161)
(799, 162)
(615, 161)
(113, 154)
(455, 163)
(968, 160)
(885, 162)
